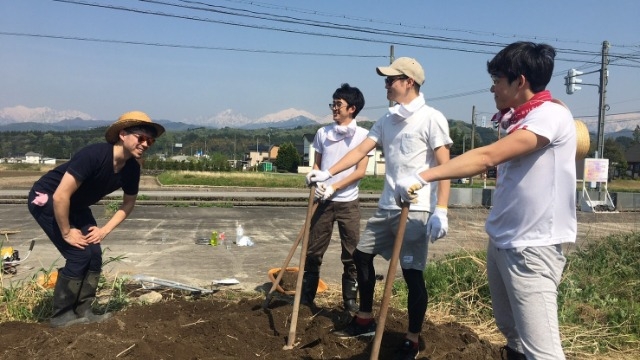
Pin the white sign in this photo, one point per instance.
(596, 170)
(178, 145)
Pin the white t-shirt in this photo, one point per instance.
(408, 145)
(332, 151)
(534, 203)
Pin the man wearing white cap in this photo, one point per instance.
(414, 137)
(60, 202)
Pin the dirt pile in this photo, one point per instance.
(214, 327)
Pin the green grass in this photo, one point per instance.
(252, 179)
(30, 301)
(598, 300)
(296, 181)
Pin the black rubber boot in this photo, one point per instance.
(507, 353)
(310, 282)
(65, 295)
(349, 293)
(87, 296)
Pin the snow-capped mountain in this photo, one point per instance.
(286, 115)
(224, 118)
(21, 114)
(13, 118)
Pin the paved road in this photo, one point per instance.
(161, 241)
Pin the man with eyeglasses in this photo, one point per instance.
(60, 202)
(414, 137)
(338, 196)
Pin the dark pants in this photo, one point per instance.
(347, 215)
(78, 261)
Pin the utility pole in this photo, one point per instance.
(269, 148)
(473, 127)
(473, 134)
(392, 57)
(604, 74)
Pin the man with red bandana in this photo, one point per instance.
(60, 202)
(533, 211)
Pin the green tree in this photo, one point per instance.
(615, 154)
(219, 162)
(636, 134)
(288, 158)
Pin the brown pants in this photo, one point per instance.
(347, 215)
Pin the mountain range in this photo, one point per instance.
(22, 118)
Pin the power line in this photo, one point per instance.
(313, 23)
(197, 47)
(400, 24)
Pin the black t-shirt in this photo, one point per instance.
(93, 166)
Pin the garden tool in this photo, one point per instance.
(388, 284)
(266, 302)
(303, 258)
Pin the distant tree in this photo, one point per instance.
(625, 141)
(288, 158)
(636, 134)
(457, 137)
(615, 154)
(220, 162)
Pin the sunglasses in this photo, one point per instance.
(391, 79)
(144, 138)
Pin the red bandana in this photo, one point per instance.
(509, 119)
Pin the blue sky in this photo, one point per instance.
(182, 83)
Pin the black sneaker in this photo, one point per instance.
(408, 350)
(508, 353)
(354, 329)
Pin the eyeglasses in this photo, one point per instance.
(391, 79)
(144, 138)
(337, 106)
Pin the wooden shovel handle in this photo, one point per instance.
(388, 284)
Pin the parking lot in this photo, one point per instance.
(161, 241)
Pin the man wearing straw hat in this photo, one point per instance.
(60, 202)
(534, 209)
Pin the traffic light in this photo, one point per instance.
(571, 80)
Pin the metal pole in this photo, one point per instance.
(391, 58)
(602, 108)
(603, 91)
(473, 134)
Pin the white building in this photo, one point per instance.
(32, 157)
(375, 166)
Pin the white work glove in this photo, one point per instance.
(317, 176)
(324, 191)
(438, 224)
(407, 189)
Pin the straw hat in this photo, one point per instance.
(582, 139)
(129, 119)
